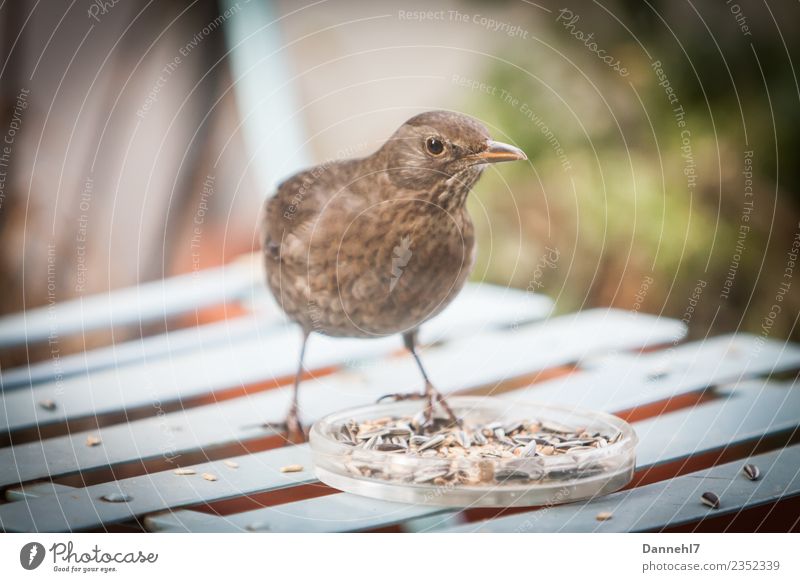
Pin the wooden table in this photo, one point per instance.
(91, 441)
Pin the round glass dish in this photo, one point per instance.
(475, 480)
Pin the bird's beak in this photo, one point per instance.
(499, 152)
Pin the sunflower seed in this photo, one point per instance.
(433, 442)
(209, 477)
(557, 428)
(400, 430)
(92, 441)
(575, 443)
(292, 469)
(231, 464)
(116, 497)
(345, 434)
(365, 436)
(529, 450)
(184, 471)
(461, 438)
(371, 443)
(47, 404)
(513, 427)
(603, 516)
(752, 472)
(479, 439)
(710, 499)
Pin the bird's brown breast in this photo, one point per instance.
(347, 258)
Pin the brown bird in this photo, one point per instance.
(376, 246)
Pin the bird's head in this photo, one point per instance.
(435, 147)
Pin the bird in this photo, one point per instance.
(376, 246)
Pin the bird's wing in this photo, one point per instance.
(299, 206)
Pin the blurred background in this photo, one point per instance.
(141, 138)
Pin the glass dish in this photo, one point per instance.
(472, 479)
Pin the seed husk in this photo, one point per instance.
(184, 471)
(432, 442)
(751, 472)
(292, 469)
(47, 404)
(604, 516)
(116, 497)
(209, 477)
(710, 499)
(92, 441)
(367, 435)
(479, 438)
(400, 430)
(231, 464)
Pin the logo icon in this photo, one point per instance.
(31, 555)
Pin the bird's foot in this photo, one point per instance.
(435, 395)
(291, 428)
(433, 398)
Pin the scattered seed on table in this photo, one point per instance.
(752, 472)
(116, 497)
(710, 499)
(292, 469)
(209, 477)
(231, 464)
(604, 516)
(47, 404)
(184, 471)
(92, 441)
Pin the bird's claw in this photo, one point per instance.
(432, 398)
(295, 433)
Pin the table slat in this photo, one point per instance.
(145, 303)
(624, 382)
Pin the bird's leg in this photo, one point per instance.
(430, 394)
(294, 429)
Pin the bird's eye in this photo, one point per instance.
(434, 146)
